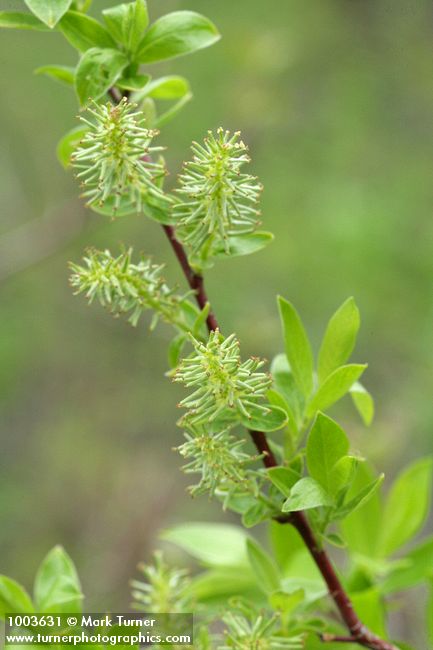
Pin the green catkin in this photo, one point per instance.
(114, 158)
(224, 385)
(216, 201)
(220, 461)
(124, 287)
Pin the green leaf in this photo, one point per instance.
(286, 386)
(13, 598)
(266, 572)
(217, 585)
(97, 71)
(257, 513)
(342, 473)
(69, 143)
(305, 494)
(214, 544)
(84, 32)
(243, 244)
(286, 543)
(327, 444)
(176, 34)
(133, 83)
(17, 20)
(275, 419)
(335, 386)
(284, 478)
(127, 22)
(406, 507)
(339, 339)
(417, 567)
(170, 87)
(175, 350)
(49, 11)
(363, 401)
(297, 346)
(57, 587)
(125, 207)
(360, 499)
(64, 74)
(362, 512)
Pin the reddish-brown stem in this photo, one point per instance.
(358, 632)
(195, 280)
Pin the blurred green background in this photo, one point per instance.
(335, 99)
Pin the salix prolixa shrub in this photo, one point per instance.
(259, 439)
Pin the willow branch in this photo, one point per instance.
(358, 632)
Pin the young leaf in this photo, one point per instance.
(272, 420)
(327, 443)
(362, 513)
(284, 602)
(133, 83)
(13, 598)
(286, 386)
(305, 494)
(170, 87)
(17, 20)
(176, 34)
(64, 74)
(57, 587)
(363, 402)
(339, 339)
(49, 11)
(69, 143)
(335, 386)
(97, 71)
(406, 507)
(243, 244)
(255, 515)
(175, 350)
(84, 32)
(214, 544)
(263, 566)
(298, 347)
(417, 567)
(284, 478)
(286, 543)
(218, 585)
(361, 498)
(342, 473)
(127, 22)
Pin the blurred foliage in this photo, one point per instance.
(335, 99)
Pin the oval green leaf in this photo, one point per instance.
(244, 244)
(57, 587)
(62, 73)
(17, 20)
(176, 34)
(84, 32)
(69, 143)
(97, 71)
(49, 11)
(272, 420)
